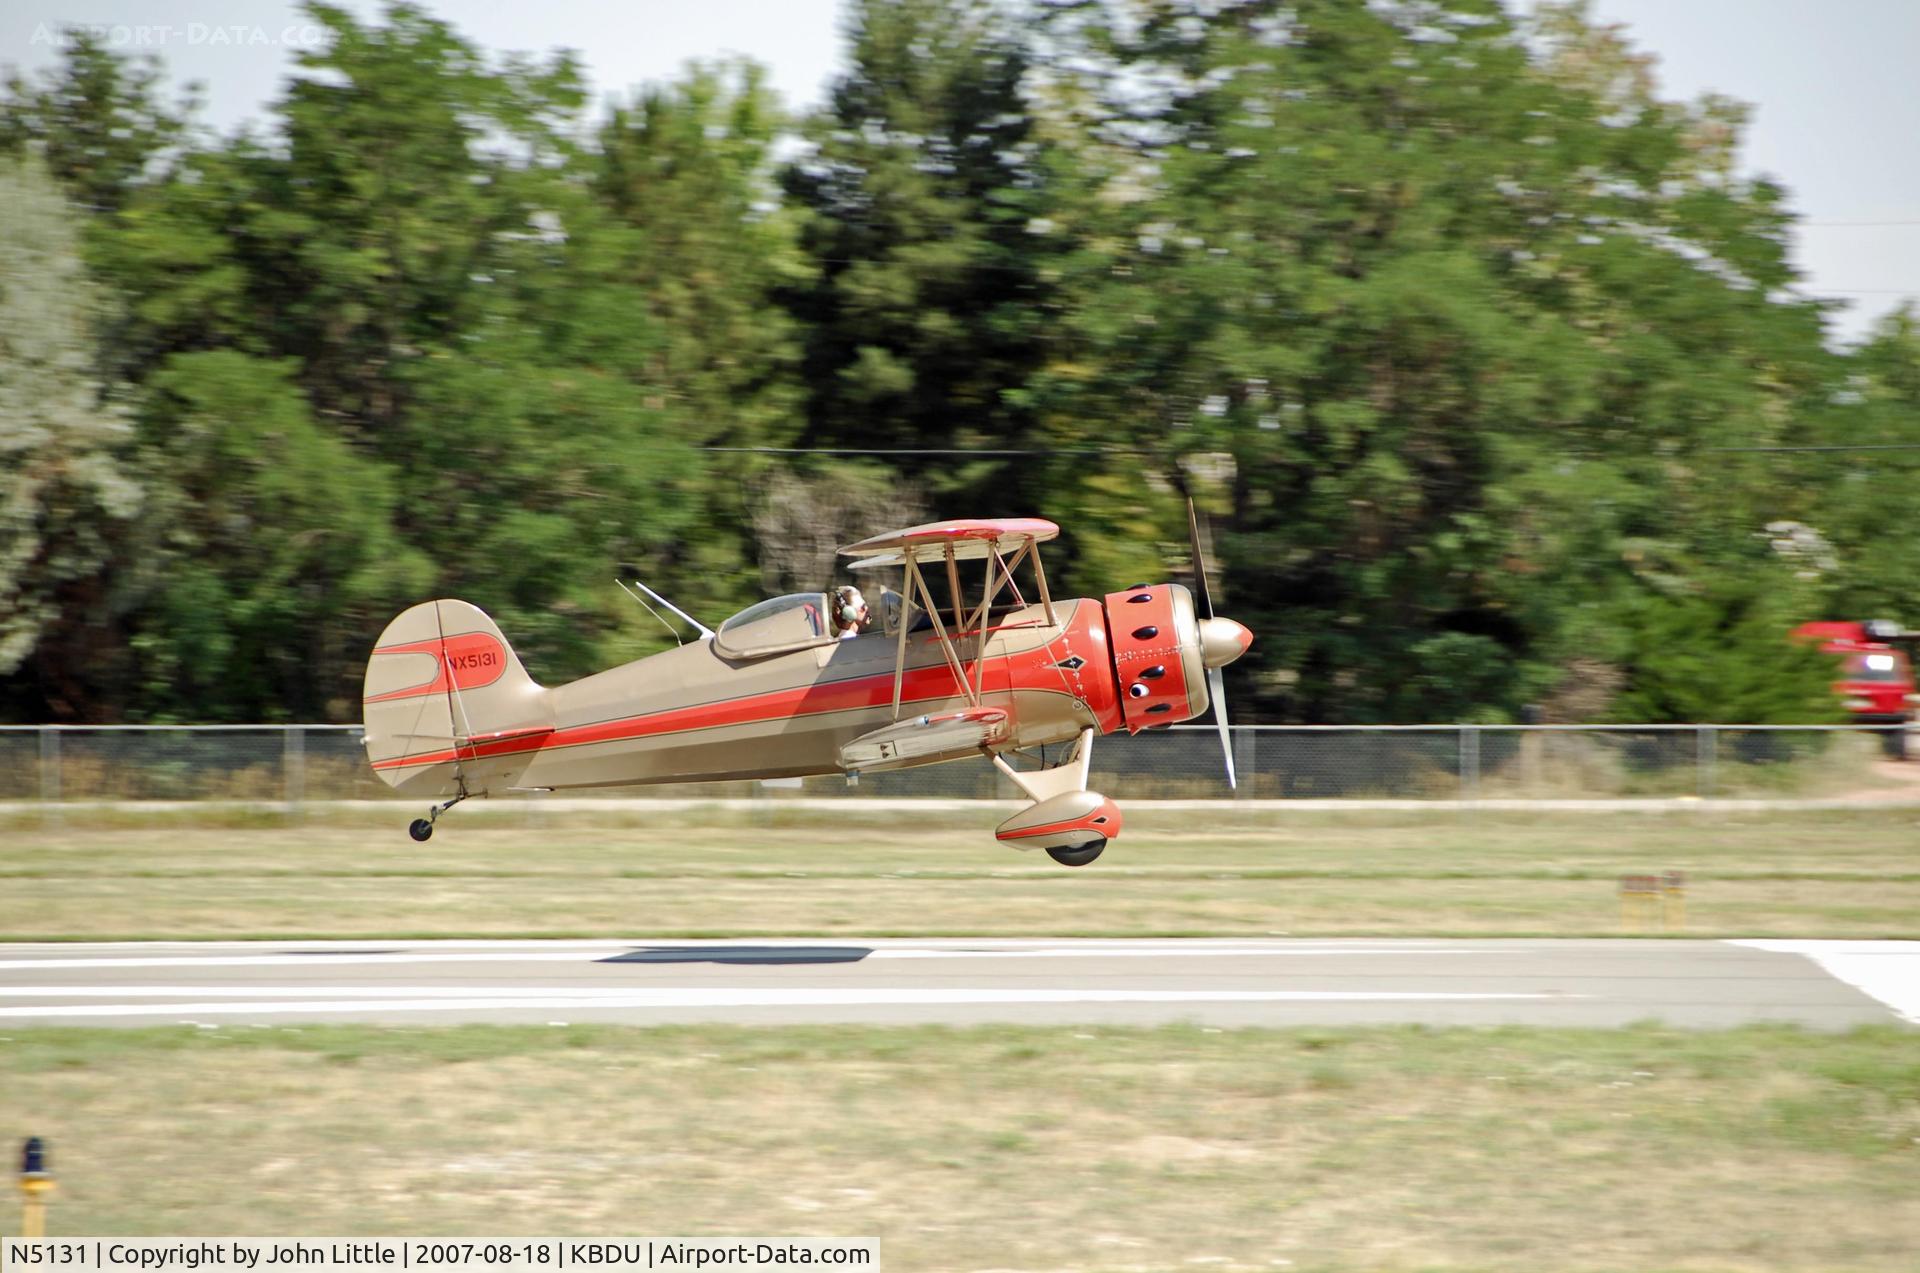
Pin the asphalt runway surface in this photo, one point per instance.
(1826, 985)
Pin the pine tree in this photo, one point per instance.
(927, 191)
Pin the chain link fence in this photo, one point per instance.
(294, 764)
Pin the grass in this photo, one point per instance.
(770, 872)
(1391, 1149)
(1008, 1147)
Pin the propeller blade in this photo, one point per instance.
(1217, 686)
(1216, 683)
(1199, 561)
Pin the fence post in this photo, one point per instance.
(1469, 762)
(1533, 745)
(1706, 754)
(1243, 757)
(293, 765)
(49, 764)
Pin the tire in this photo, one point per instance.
(1077, 854)
(421, 829)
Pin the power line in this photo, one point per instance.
(997, 452)
(1789, 450)
(928, 450)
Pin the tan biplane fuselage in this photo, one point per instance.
(450, 711)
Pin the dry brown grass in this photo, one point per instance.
(1392, 1149)
(1814, 874)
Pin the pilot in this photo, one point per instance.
(850, 613)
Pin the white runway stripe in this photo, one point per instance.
(374, 946)
(637, 955)
(608, 991)
(703, 997)
(298, 991)
(327, 960)
(1135, 952)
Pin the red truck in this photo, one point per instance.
(1876, 677)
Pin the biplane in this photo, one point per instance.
(943, 674)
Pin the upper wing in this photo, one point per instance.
(967, 538)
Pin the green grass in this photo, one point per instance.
(771, 872)
(1009, 1147)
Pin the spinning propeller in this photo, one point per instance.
(1221, 642)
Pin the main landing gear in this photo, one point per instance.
(422, 828)
(1077, 854)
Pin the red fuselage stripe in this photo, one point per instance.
(855, 693)
(1034, 669)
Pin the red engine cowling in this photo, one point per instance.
(1154, 637)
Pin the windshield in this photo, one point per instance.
(1871, 667)
(792, 622)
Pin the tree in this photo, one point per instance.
(802, 520)
(67, 487)
(1721, 655)
(96, 120)
(421, 257)
(1476, 351)
(1859, 499)
(688, 169)
(1467, 325)
(275, 543)
(927, 192)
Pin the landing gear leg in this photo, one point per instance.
(422, 828)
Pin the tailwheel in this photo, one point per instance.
(1077, 854)
(422, 828)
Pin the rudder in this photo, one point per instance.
(447, 703)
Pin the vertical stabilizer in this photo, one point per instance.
(447, 704)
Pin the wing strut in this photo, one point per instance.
(1046, 599)
(953, 590)
(999, 574)
(906, 621)
(946, 641)
(954, 665)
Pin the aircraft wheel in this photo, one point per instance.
(421, 829)
(1077, 854)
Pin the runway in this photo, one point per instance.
(1826, 985)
